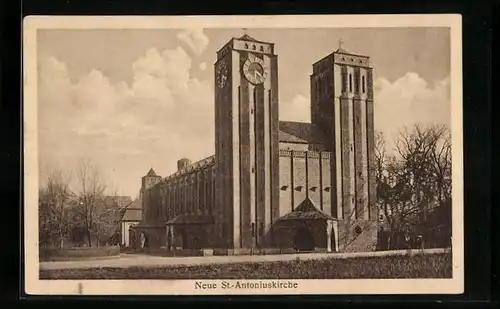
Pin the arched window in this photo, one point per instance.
(363, 83)
(246, 45)
(350, 82)
(253, 47)
(262, 48)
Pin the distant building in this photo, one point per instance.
(132, 215)
(271, 183)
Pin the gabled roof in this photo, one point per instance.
(133, 212)
(306, 211)
(300, 132)
(151, 173)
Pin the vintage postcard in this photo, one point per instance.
(212, 155)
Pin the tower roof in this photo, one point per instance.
(342, 50)
(151, 173)
(246, 37)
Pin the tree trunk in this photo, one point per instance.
(61, 239)
(89, 238)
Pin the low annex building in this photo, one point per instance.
(132, 216)
(273, 184)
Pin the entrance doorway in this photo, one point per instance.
(184, 239)
(303, 240)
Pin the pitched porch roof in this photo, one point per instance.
(306, 211)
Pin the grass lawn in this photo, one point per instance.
(417, 266)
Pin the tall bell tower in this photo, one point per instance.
(342, 105)
(246, 142)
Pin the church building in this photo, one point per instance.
(275, 186)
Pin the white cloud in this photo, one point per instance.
(162, 115)
(203, 66)
(399, 104)
(298, 109)
(410, 100)
(195, 39)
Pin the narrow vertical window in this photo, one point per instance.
(350, 82)
(261, 229)
(356, 82)
(253, 229)
(363, 83)
(344, 82)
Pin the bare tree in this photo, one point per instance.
(108, 215)
(416, 178)
(440, 163)
(91, 194)
(380, 156)
(426, 153)
(53, 202)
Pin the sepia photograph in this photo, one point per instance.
(243, 155)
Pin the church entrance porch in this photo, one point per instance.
(303, 240)
(306, 229)
(145, 237)
(190, 232)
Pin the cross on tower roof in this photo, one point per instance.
(341, 46)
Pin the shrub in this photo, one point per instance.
(77, 253)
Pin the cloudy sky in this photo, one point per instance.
(130, 100)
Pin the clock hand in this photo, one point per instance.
(258, 73)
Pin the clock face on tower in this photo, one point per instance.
(255, 70)
(222, 75)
